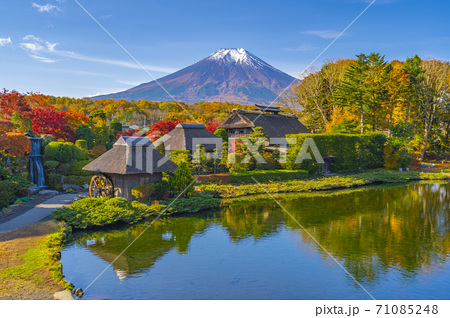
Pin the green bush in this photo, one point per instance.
(82, 144)
(76, 168)
(77, 180)
(63, 152)
(51, 164)
(192, 204)
(85, 133)
(178, 156)
(63, 168)
(352, 152)
(267, 176)
(115, 127)
(222, 133)
(181, 181)
(144, 192)
(90, 212)
(54, 179)
(8, 192)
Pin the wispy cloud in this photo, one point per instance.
(128, 83)
(46, 7)
(5, 41)
(324, 34)
(45, 51)
(302, 48)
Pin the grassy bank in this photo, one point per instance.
(29, 262)
(327, 183)
(92, 212)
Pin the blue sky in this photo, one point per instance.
(56, 48)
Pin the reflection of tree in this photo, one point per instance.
(404, 227)
(160, 238)
(256, 220)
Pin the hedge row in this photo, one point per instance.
(267, 176)
(353, 152)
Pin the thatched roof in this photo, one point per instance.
(185, 136)
(131, 155)
(274, 125)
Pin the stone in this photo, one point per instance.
(63, 295)
(34, 189)
(72, 187)
(48, 192)
(86, 186)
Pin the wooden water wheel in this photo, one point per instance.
(101, 187)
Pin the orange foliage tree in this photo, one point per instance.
(15, 144)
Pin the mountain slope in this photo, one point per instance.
(233, 75)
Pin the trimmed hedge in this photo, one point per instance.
(192, 204)
(352, 151)
(267, 176)
(63, 152)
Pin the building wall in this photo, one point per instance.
(124, 183)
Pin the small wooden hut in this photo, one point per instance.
(187, 136)
(241, 123)
(131, 161)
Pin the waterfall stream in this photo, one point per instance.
(36, 163)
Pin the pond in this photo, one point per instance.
(391, 241)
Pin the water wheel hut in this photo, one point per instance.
(131, 161)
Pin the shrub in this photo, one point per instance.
(77, 180)
(76, 168)
(8, 192)
(144, 192)
(267, 176)
(150, 191)
(178, 156)
(63, 152)
(222, 133)
(81, 143)
(85, 133)
(192, 204)
(352, 152)
(97, 151)
(182, 180)
(109, 145)
(115, 127)
(104, 211)
(54, 179)
(51, 164)
(63, 168)
(45, 140)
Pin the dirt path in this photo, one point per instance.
(19, 248)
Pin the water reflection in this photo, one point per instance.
(372, 232)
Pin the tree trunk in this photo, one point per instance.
(362, 119)
(426, 135)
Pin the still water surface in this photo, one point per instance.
(395, 241)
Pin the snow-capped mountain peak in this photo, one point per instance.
(231, 74)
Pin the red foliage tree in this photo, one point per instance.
(13, 101)
(128, 133)
(161, 128)
(211, 126)
(6, 126)
(52, 122)
(15, 144)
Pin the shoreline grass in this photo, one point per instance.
(227, 191)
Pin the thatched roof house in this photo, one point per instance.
(187, 136)
(241, 123)
(131, 161)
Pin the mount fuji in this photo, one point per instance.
(233, 75)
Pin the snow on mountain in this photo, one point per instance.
(233, 75)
